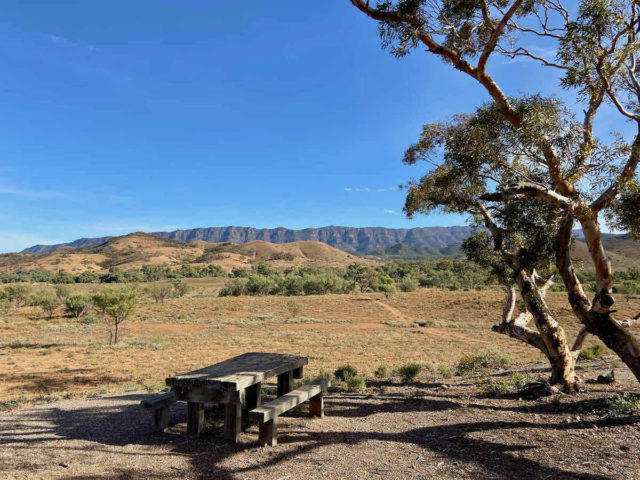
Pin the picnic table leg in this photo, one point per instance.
(316, 406)
(298, 373)
(195, 417)
(232, 421)
(269, 433)
(253, 396)
(285, 383)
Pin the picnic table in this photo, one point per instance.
(235, 383)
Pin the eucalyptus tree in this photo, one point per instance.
(529, 168)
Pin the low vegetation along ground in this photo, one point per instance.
(419, 394)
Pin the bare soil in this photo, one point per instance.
(425, 430)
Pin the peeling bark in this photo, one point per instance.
(550, 338)
(552, 334)
(596, 317)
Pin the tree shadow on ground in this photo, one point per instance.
(47, 382)
(123, 422)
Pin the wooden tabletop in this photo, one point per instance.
(239, 372)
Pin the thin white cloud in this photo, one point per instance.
(368, 189)
(390, 212)
(65, 42)
(42, 194)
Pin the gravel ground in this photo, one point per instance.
(424, 431)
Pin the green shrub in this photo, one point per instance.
(240, 272)
(446, 370)
(259, 285)
(88, 320)
(180, 287)
(409, 372)
(593, 352)
(382, 371)
(498, 387)
(355, 384)
(78, 305)
(234, 288)
(625, 404)
(293, 284)
(345, 372)
(46, 300)
(118, 303)
(18, 293)
(62, 292)
(481, 362)
(628, 287)
(159, 291)
(388, 290)
(294, 308)
(408, 284)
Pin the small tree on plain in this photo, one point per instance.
(18, 293)
(46, 300)
(78, 305)
(180, 287)
(364, 276)
(62, 292)
(159, 291)
(117, 303)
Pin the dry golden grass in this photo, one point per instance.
(41, 358)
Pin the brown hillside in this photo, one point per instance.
(132, 251)
(623, 253)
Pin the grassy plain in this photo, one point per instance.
(44, 360)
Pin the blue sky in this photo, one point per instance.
(156, 115)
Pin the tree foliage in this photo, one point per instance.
(118, 303)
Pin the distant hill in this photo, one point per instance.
(349, 239)
(236, 246)
(623, 252)
(132, 251)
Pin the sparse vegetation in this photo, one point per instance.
(180, 287)
(447, 371)
(118, 303)
(62, 292)
(625, 404)
(18, 293)
(382, 371)
(294, 308)
(46, 300)
(481, 362)
(345, 372)
(593, 352)
(159, 291)
(409, 372)
(347, 378)
(497, 387)
(78, 305)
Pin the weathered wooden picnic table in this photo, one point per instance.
(235, 383)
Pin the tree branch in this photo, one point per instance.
(528, 190)
(577, 297)
(495, 35)
(577, 345)
(627, 173)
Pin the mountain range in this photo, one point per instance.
(439, 240)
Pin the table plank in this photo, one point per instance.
(239, 372)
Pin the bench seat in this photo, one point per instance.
(266, 415)
(160, 405)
